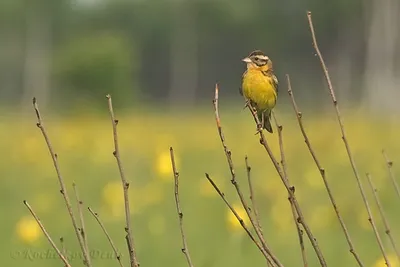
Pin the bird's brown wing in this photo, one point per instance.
(274, 80)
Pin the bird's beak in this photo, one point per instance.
(247, 60)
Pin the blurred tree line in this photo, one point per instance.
(173, 51)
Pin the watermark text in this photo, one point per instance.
(50, 254)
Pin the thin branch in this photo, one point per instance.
(373, 224)
(82, 228)
(253, 200)
(63, 249)
(63, 190)
(246, 229)
(341, 125)
(389, 164)
(185, 249)
(125, 185)
(294, 213)
(290, 189)
(228, 155)
(383, 216)
(117, 254)
(321, 170)
(252, 195)
(47, 234)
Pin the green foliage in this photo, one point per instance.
(97, 64)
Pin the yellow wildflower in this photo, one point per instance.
(391, 258)
(233, 222)
(163, 165)
(28, 230)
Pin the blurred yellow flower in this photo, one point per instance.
(114, 198)
(28, 230)
(391, 258)
(233, 222)
(156, 225)
(163, 165)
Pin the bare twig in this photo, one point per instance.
(125, 185)
(252, 195)
(294, 213)
(63, 190)
(63, 249)
(383, 216)
(344, 138)
(117, 254)
(389, 164)
(240, 220)
(228, 155)
(253, 200)
(373, 225)
(82, 229)
(47, 234)
(321, 170)
(290, 189)
(185, 249)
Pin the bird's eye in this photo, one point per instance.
(256, 58)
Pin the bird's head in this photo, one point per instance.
(258, 60)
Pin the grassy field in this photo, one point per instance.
(84, 145)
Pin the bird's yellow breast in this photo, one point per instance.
(259, 88)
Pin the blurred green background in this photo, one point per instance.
(160, 60)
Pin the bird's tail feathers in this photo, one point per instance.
(265, 119)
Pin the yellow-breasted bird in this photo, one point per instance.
(260, 86)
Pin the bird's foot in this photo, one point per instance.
(251, 105)
(259, 129)
(247, 104)
(262, 119)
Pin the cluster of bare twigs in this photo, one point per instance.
(80, 229)
(251, 209)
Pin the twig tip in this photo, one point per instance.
(216, 91)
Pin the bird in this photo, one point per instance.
(260, 87)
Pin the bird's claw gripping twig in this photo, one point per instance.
(247, 104)
(250, 105)
(259, 129)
